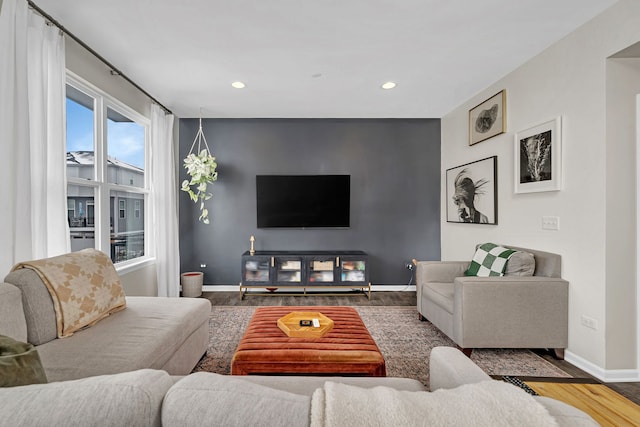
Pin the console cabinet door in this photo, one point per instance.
(257, 270)
(322, 270)
(289, 270)
(353, 270)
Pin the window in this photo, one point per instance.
(123, 209)
(71, 209)
(106, 159)
(91, 213)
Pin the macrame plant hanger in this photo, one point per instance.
(201, 166)
(200, 139)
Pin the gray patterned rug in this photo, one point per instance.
(404, 341)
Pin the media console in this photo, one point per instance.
(319, 271)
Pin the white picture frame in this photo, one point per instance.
(538, 158)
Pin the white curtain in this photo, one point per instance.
(33, 223)
(165, 205)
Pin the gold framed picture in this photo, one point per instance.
(488, 118)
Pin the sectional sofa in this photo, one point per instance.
(463, 395)
(133, 368)
(170, 334)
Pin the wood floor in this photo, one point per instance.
(629, 390)
(356, 298)
(597, 400)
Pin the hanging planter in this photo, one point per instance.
(201, 167)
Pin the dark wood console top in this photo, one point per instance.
(312, 253)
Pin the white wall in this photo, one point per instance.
(569, 79)
(623, 84)
(140, 280)
(90, 68)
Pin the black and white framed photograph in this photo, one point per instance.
(538, 158)
(488, 119)
(472, 191)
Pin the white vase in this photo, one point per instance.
(191, 282)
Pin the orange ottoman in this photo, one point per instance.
(347, 349)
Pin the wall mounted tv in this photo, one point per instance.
(303, 201)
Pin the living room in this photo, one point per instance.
(554, 83)
(399, 197)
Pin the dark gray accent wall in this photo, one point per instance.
(395, 191)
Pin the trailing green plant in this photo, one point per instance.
(202, 170)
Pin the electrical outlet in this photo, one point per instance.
(409, 266)
(203, 265)
(589, 322)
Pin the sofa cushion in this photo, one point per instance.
(489, 260)
(19, 363)
(440, 294)
(306, 385)
(37, 303)
(145, 335)
(520, 264)
(127, 399)
(230, 401)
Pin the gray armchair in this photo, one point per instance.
(496, 312)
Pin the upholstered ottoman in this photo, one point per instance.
(347, 349)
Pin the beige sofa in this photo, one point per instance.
(153, 398)
(170, 334)
(496, 312)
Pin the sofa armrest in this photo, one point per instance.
(439, 271)
(511, 312)
(450, 368)
(12, 321)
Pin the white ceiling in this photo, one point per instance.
(318, 58)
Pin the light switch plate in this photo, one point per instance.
(551, 223)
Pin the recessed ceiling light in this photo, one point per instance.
(238, 85)
(388, 85)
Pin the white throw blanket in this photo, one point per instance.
(488, 403)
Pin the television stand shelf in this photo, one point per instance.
(320, 272)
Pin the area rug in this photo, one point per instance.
(405, 342)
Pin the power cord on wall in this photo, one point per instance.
(411, 267)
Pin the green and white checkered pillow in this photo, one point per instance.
(489, 260)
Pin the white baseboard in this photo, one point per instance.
(393, 288)
(375, 288)
(604, 375)
(220, 288)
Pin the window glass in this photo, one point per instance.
(81, 229)
(125, 142)
(91, 213)
(71, 208)
(127, 235)
(80, 134)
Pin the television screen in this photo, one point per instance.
(303, 201)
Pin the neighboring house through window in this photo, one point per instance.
(107, 145)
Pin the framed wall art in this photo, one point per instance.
(472, 191)
(488, 119)
(538, 158)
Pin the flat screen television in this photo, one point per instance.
(303, 201)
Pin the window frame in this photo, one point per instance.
(99, 183)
